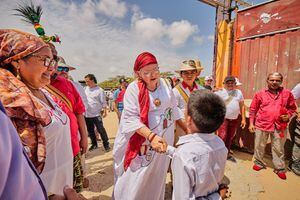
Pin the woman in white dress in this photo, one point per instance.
(146, 126)
(26, 63)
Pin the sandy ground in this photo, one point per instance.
(244, 182)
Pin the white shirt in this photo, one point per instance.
(296, 91)
(233, 106)
(96, 101)
(198, 166)
(110, 95)
(81, 92)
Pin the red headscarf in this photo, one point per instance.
(137, 140)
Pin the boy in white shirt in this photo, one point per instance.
(198, 163)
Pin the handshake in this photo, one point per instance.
(158, 143)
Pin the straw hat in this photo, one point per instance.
(190, 65)
(62, 63)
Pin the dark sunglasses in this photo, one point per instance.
(63, 69)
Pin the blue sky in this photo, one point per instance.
(104, 36)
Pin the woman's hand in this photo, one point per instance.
(159, 144)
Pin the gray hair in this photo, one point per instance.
(275, 74)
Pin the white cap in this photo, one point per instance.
(208, 78)
(238, 81)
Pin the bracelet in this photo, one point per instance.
(147, 137)
(152, 137)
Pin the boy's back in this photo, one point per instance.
(198, 166)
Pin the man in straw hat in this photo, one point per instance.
(189, 70)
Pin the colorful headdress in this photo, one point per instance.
(32, 14)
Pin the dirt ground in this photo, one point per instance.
(244, 182)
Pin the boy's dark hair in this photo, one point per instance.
(91, 77)
(207, 110)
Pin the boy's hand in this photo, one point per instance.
(159, 144)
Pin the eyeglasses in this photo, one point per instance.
(63, 69)
(48, 62)
(189, 72)
(148, 73)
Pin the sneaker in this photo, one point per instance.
(107, 149)
(231, 158)
(93, 147)
(295, 167)
(280, 174)
(257, 167)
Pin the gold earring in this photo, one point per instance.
(18, 74)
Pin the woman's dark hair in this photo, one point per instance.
(91, 77)
(207, 110)
(10, 68)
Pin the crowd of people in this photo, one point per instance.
(46, 119)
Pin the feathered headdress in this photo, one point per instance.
(32, 14)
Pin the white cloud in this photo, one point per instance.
(211, 37)
(154, 28)
(180, 31)
(199, 39)
(113, 8)
(150, 28)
